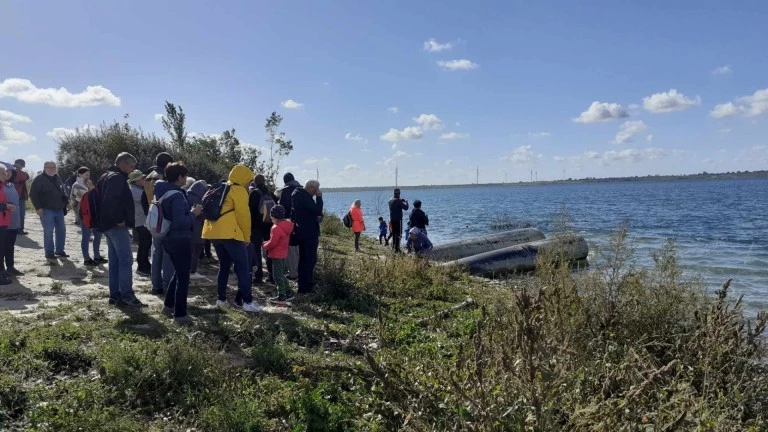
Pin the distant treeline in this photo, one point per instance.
(738, 175)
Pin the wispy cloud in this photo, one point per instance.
(455, 65)
(432, 45)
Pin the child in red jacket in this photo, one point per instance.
(277, 250)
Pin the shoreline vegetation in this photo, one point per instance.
(391, 343)
(739, 175)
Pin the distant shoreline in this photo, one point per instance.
(740, 175)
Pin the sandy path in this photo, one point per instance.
(68, 280)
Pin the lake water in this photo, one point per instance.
(720, 227)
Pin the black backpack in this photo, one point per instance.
(213, 201)
(347, 220)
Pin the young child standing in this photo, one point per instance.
(383, 232)
(277, 250)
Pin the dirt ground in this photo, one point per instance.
(53, 282)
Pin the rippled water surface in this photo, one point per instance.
(720, 227)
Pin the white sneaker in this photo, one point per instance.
(196, 276)
(222, 304)
(252, 307)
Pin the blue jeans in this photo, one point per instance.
(53, 220)
(120, 264)
(86, 240)
(23, 212)
(162, 266)
(234, 252)
(176, 297)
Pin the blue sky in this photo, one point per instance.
(681, 87)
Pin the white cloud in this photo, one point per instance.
(523, 155)
(315, 161)
(538, 134)
(747, 106)
(9, 135)
(724, 130)
(8, 117)
(449, 162)
(722, 70)
(632, 155)
(24, 91)
(451, 136)
(392, 110)
(454, 65)
(291, 104)
(432, 45)
(669, 101)
(628, 130)
(158, 117)
(633, 107)
(600, 112)
(61, 132)
(429, 121)
(649, 138)
(355, 137)
(351, 167)
(409, 133)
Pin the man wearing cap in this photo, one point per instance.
(20, 182)
(396, 208)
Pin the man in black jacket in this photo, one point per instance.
(306, 216)
(116, 218)
(396, 208)
(260, 201)
(285, 200)
(48, 197)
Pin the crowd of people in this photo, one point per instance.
(176, 221)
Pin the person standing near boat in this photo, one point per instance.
(396, 207)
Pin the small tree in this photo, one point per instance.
(174, 122)
(278, 146)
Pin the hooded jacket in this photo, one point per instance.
(306, 214)
(176, 208)
(277, 245)
(358, 223)
(235, 222)
(116, 200)
(195, 195)
(285, 197)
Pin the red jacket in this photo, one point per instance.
(358, 223)
(20, 182)
(5, 214)
(277, 245)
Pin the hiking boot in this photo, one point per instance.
(90, 263)
(101, 260)
(185, 320)
(133, 303)
(167, 312)
(252, 307)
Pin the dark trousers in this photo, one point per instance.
(397, 232)
(3, 244)
(178, 288)
(197, 251)
(8, 252)
(208, 253)
(357, 241)
(307, 260)
(257, 239)
(233, 252)
(145, 248)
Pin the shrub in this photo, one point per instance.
(332, 226)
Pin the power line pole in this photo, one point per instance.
(477, 175)
(396, 175)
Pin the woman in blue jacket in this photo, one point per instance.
(177, 241)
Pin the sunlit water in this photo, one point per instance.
(720, 227)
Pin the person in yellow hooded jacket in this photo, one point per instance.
(230, 235)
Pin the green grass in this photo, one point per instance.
(616, 348)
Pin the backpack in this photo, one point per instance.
(269, 202)
(89, 208)
(213, 201)
(347, 220)
(156, 222)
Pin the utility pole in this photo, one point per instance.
(537, 176)
(505, 177)
(395, 175)
(531, 176)
(477, 175)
